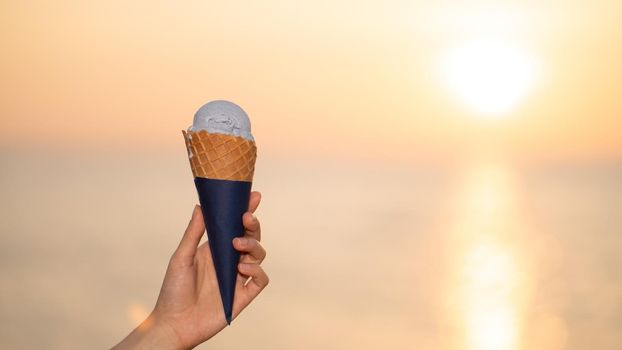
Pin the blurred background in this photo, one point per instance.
(436, 174)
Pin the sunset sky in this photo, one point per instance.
(316, 77)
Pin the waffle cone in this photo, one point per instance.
(220, 156)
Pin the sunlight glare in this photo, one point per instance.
(490, 75)
(136, 313)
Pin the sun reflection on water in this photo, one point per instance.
(490, 311)
(488, 271)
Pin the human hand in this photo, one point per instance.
(189, 309)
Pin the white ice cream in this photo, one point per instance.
(222, 117)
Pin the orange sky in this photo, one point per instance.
(351, 75)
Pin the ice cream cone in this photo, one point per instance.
(223, 167)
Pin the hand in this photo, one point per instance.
(189, 309)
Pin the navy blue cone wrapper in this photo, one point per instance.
(223, 202)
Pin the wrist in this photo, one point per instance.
(152, 333)
(160, 332)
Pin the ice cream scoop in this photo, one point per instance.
(222, 155)
(222, 117)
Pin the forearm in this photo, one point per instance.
(150, 335)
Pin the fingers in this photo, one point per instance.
(188, 246)
(259, 279)
(252, 226)
(254, 201)
(254, 252)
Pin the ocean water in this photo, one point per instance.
(361, 254)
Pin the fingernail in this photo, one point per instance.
(254, 217)
(239, 240)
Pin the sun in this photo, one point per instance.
(490, 75)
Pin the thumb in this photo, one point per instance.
(192, 236)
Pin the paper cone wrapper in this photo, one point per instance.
(223, 167)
